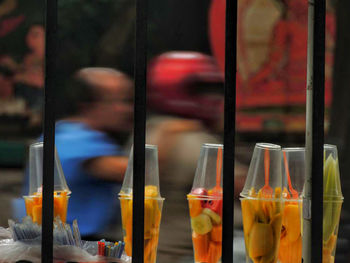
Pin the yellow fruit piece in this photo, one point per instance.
(260, 240)
(195, 206)
(34, 206)
(152, 219)
(37, 214)
(331, 243)
(151, 191)
(248, 214)
(291, 222)
(276, 224)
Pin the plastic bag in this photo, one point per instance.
(11, 251)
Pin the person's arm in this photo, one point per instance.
(107, 167)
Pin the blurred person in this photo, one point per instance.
(185, 96)
(89, 142)
(29, 74)
(31, 71)
(6, 81)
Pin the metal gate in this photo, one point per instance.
(314, 133)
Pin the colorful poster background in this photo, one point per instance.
(271, 60)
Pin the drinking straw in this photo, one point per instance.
(121, 249)
(292, 190)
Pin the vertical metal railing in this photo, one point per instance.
(229, 130)
(313, 195)
(139, 131)
(49, 131)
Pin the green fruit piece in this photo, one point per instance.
(201, 224)
(213, 216)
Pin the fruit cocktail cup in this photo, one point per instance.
(262, 205)
(206, 224)
(332, 202)
(293, 177)
(153, 212)
(153, 205)
(205, 205)
(33, 201)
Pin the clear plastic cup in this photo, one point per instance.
(33, 200)
(205, 205)
(332, 202)
(153, 205)
(262, 204)
(293, 177)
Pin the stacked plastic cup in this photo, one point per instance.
(262, 204)
(293, 177)
(205, 205)
(153, 205)
(332, 202)
(33, 201)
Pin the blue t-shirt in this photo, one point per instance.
(93, 202)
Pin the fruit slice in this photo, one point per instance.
(195, 206)
(201, 224)
(151, 191)
(260, 240)
(291, 222)
(200, 246)
(216, 233)
(214, 253)
(213, 216)
(248, 214)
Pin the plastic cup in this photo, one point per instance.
(153, 205)
(33, 201)
(262, 204)
(293, 177)
(205, 205)
(332, 202)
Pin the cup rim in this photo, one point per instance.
(203, 197)
(213, 145)
(280, 199)
(31, 196)
(270, 146)
(293, 149)
(329, 146)
(151, 146)
(129, 197)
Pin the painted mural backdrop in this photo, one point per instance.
(272, 56)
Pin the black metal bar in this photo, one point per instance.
(139, 131)
(229, 129)
(49, 132)
(318, 130)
